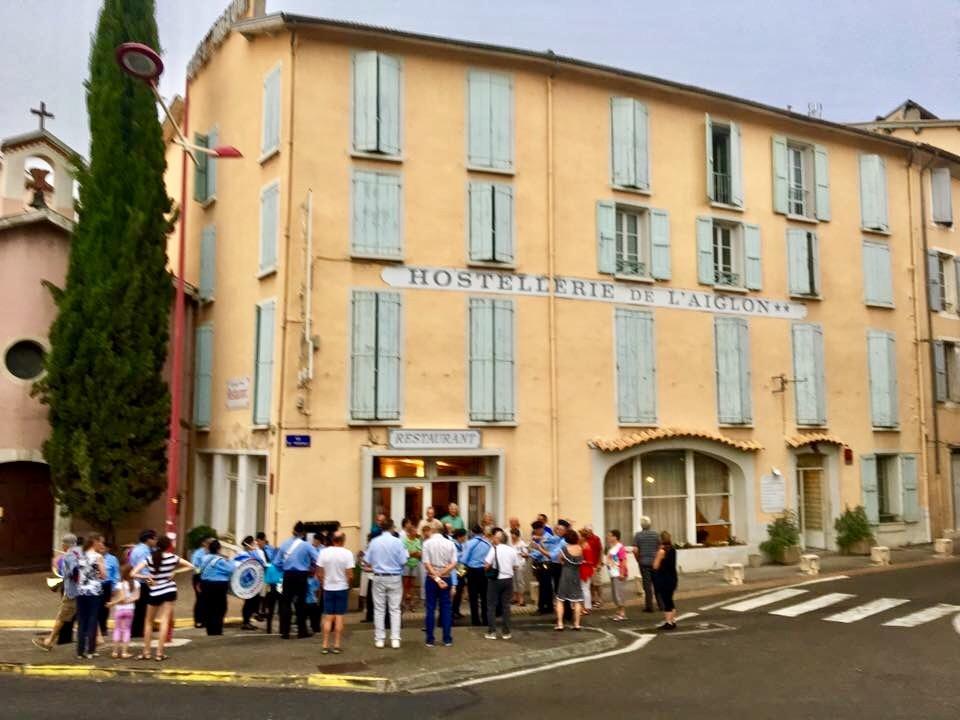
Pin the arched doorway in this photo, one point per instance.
(26, 529)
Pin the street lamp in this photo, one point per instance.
(144, 63)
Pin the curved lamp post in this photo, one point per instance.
(144, 63)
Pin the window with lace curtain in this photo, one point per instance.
(618, 500)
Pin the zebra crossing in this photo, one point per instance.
(794, 602)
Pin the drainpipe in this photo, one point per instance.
(552, 311)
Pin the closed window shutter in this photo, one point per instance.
(868, 488)
(365, 101)
(752, 265)
(203, 385)
(480, 148)
(366, 217)
(708, 124)
(388, 131)
(780, 174)
(481, 360)
(200, 170)
(263, 376)
(883, 380)
(623, 136)
(659, 244)
(388, 356)
(636, 367)
(270, 138)
(877, 280)
(706, 273)
(388, 211)
(908, 484)
(481, 221)
(269, 219)
(606, 236)
(821, 176)
(503, 223)
(503, 390)
(798, 260)
(208, 254)
(363, 356)
(940, 370)
(213, 140)
(732, 370)
(933, 281)
(736, 166)
(873, 192)
(940, 196)
(501, 121)
(808, 374)
(956, 273)
(641, 149)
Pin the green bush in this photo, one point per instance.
(198, 534)
(852, 527)
(783, 532)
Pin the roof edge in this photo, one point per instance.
(31, 217)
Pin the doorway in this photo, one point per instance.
(812, 500)
(26, 528)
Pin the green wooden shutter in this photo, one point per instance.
(203, 383)
(636, 367)
(200, 169)
(821, 177)
(706, 272)
(877, 280)
(365, 101)
(388, 90)
(503, 223)
(736, 166)
(481, 360)
(732, 370)
(363, 356)
(908, 484)
(213, 140)
(940, 370)
(868, 488)
(263, 375)
(873, 192)
(798, 262)
(780, 174)
(934, 288)
(481, 221)
(501, 121)
(389, 240)
(388, 356)
(208, 268)
(752, 266)
(270, 122)
(940, 196)
(711, 192)
(808, 374)
(883, 378)
(480, 148)
(659, 244)
(641, 146)
(269, 222)
(623, 136)
(366, 216)
(956, 272)
(503, 363)
(606, 236)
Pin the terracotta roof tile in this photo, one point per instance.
(801, 439)
(624, 442)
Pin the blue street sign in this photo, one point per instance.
(298, 441)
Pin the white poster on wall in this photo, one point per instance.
(238, 393)
(773, 493)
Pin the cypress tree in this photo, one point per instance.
(108, 402)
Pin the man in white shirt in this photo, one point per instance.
(504, 559)
(335, 570)
(439, 558)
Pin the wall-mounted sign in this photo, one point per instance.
(238, 393)
(773, 493)
(570, 288)
(298, 440)
(434, 439)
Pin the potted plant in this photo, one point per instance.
(854, 534)
(783, 545)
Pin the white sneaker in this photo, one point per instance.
(378, 643)
(395, 644)
(491, 636)
(506, 636)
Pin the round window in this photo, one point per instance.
(24, 359)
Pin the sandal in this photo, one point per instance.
(115, 655)
(161, 658)
(143, 656)
(336, 651)
(125, 656)
(324, 651)
(558, 628)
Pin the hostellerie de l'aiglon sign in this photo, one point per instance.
(475, 280)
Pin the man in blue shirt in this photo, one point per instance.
(386, 555)
(554, 544)
(474, 555)
(540, 558)
(297, 559)
(141, 552)
(196, 559)
(459, 580)
(112, 566)
(215, 573)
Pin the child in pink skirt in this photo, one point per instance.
(125, 595)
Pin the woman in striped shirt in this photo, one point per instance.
(157, 573)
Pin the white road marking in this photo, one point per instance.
(686, 616)
(712, 606)
(924, 616)
(767, 599)
(956, 623)
(866, 610)
(813, 604)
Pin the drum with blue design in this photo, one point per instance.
(247, 580)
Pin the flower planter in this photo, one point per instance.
(789, 555)
(860, 547)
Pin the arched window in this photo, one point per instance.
(618, 500)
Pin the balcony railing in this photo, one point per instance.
(721, 187)
(727, 279)
(636, 268)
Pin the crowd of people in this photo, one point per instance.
(431, 561)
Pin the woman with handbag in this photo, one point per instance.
(500, 565)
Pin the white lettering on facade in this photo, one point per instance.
(423, 439)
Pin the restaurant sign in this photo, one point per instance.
(434, 439)
(571, 288)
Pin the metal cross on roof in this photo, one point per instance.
(42, 113)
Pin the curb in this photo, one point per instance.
(178, 623)
(316, 681)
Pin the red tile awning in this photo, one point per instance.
(801, 439)
(625, 442)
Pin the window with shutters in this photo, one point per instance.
(728, 254)
(873, 193)
(721, 164)
(270, 117)
(377, 198)
(946, 365)
(491, 226)
(491, 360)
(201, 190)
(888, 488)
(203, 376)
(633, 241)
(877, 274)
(803, 258)
(882, 367)
(724, 164)
(629, 144)
(263, 362)
(941, 204)
(946, 282)
(798, 180)
(732, 347)
(490, 121)
(376, 103)
(375, 356)
(208, 254)
(801, 183)
(269, 228)
(636, 367)
(808, 375)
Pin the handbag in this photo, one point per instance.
(493, 572)
(272, 575)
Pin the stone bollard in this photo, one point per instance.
(880, 555)
(733, 573)
(810, 564)
(943, 547)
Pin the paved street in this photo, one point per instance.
(879, 645)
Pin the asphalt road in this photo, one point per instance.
(749, 664)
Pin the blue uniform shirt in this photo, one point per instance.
(386, 555)
(553, 544)
(269, 550)
(112, 566)
(295, 556)
(312, 586)
(197, 557)
(475, 552)
(140, 553)
(535, 554)
(216, 568)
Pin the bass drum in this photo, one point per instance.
(247, 580)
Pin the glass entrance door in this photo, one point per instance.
(478, 501)
(811, 501)
(398, 501)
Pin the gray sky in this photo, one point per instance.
(858, 58)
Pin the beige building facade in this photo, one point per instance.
(449, 272)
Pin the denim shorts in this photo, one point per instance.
(335, 602)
